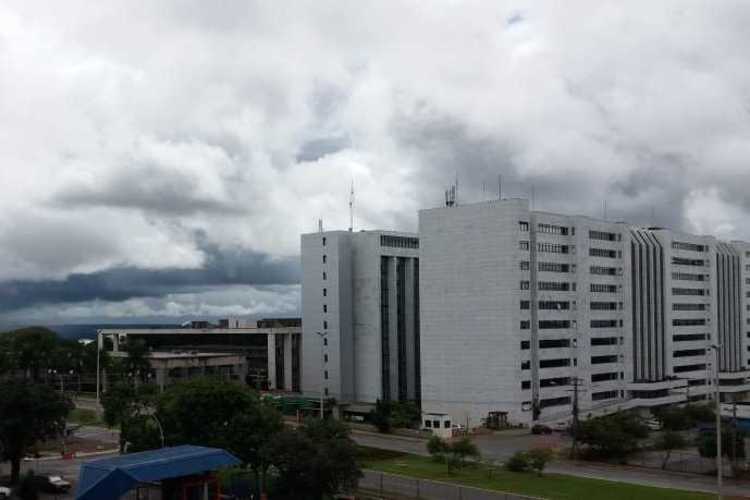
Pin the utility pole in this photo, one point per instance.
(574, 447)
(734, 434)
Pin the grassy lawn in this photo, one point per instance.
(83, 416)
(553, 486)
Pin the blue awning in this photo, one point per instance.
(113, 477)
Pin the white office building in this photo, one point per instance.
(360, 316)
(523, 310)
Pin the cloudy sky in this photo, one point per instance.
(159, 160)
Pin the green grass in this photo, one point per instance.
(83, 416)
(553, 486)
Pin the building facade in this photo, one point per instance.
(269, 349)
(360, 315)
(523, 312)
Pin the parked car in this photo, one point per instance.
(541, 429)
(4, 492)
(51, 484)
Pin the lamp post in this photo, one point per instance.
(322, 336)
(717, 396)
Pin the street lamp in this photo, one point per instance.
(719, 461)
(322, 336)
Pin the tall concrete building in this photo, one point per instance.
(523, 311)
(360, 315)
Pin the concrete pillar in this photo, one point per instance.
(115, 343)
(288, 362)
(271, 361)
(161, 376)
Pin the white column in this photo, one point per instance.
(288, 362)
(271, 361)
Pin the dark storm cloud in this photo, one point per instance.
(222, 267)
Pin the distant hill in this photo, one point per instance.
(76, 332)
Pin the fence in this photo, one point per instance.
(424, 489)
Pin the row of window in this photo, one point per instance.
(605, 306)
(605, 252)
(689, 277)
(547, 344)
(689, 352)
(688, 307)
(555, 267)
(605, 271)
(689, 368)
(690, 291)
(693, 247)
(547, 305)
(600, 288)
(605, 323)
(604, 236)
(399, 241)
(544, 247)
(550, 286)
(552, 229)
(680, 261)
(602, 377)
(546, 324)
(690, 337)
(565, 362)
(689, 322)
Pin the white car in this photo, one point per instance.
(4, 492)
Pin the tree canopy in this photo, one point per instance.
(612, 436)
(30, 413)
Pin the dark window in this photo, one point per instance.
(553, 267)
(554, 343)
(324, 259)
(324, 275)
(601, 377)
(597, 360)
(604, 306)
(524, 265)
(548, 324)
(552, 248)
(525, 365)
(525, 344)
(325, 292)
(325, 325)
(325, 308)
(689, 322)
(552, 305)
(523, 226)
(554, 382)
(688, 262)
(324, 241)
(523, 245)
(524, 285)
(598, 341)
(603, 323)
(680, 245)
(598, 396)
(552, 229)
(399, 241)
(600, 288)
(689, 368)
(525, 304)
(526, 384)
(554, 363)
(603, 252)
(603, 236)
(688, 307)
(554, 286)
(689, 352)
(689, 337)
(525, 324)
(688, 291)
(603, 271)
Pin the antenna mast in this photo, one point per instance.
(351, 208)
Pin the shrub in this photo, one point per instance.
(461, 450)
(437, 448)
(538, 458)
(519, 462)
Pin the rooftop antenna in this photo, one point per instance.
(320, 225)
(604, 209)
(484, 191)
(351, 208)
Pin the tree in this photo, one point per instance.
(707, 444)
(29, 413)
(668, 441)
(613, 436)
(437, 448)
(32, 349)
(123, 405)
(380, 416)
(315, 461)
(460, 450)
(538, 459)
(519, 462)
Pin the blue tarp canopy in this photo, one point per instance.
(113, 477)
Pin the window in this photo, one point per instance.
(552, 248)
(526, 365)
(525, 324)
(526, 384)
(554, 363)
(603, 323)
(680, 245)
(689, 337)
(552, 382)
(598, 360)
(553, 267)
(325, 391)
(325, 358)
(523, 226)
(688, 352)
(689, 322)
(603, 306)
(602, 252)
(545, 403)
(525, 344)
(325, 308)
(524, 265)
(551, 305)
(688, 307)
(554, 343)
(399, 241)
(428, 424)
(325, 341)
(324, 259)
(688, 262)
(604, 271)
(324, 241)
(325, 292)
(325, 374)
(598, 396)
(603, 236)
(524, 285)
(554, 286)
(601, 377)
(599, 341)
(688, 291)
(600, 288)
(324, 275)
(325, 325)
(523, 245)
(552, 229)
(688, 277)
(547, 324)
(525, 304)
(689, 368)
(447, 424)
